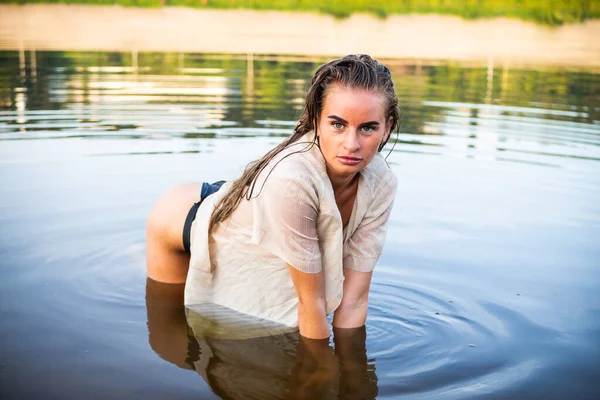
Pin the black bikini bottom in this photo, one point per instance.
(207, 190)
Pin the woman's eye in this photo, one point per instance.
(367, 129)
(338, 125)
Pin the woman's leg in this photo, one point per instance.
(166, 259)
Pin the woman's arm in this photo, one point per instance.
(352, 312)
(312, 310)
(361, 253)
(316, 373)
(357, 376)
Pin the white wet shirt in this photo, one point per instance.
(292, 218)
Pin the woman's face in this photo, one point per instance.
(351, 127)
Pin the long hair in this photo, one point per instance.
(352, 71)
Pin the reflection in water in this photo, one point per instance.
(284, 366)
(487, 112)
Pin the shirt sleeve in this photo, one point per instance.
(363, 248)
(287, 218)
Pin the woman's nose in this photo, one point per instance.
(351, 143)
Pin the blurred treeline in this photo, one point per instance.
(274, 88)
(549, 12)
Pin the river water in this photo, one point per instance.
(488, 288)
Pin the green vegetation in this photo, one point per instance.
(549, 12)
(276, 87)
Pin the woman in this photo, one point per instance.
(297, 236)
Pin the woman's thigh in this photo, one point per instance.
(166, 259)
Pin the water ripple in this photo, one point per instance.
(433, 343)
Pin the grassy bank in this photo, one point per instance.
(547, 12)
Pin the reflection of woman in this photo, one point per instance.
(298, 234)
(284, 366)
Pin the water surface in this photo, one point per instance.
(489, 285)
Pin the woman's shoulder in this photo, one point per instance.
(296, 162)
(295, 170)
(379, 178)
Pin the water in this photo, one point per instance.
(488, 287)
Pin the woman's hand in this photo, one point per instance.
(312, 308)
(316, 373)
(357, 377)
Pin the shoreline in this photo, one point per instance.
(55, 27)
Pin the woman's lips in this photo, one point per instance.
(349, 160)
